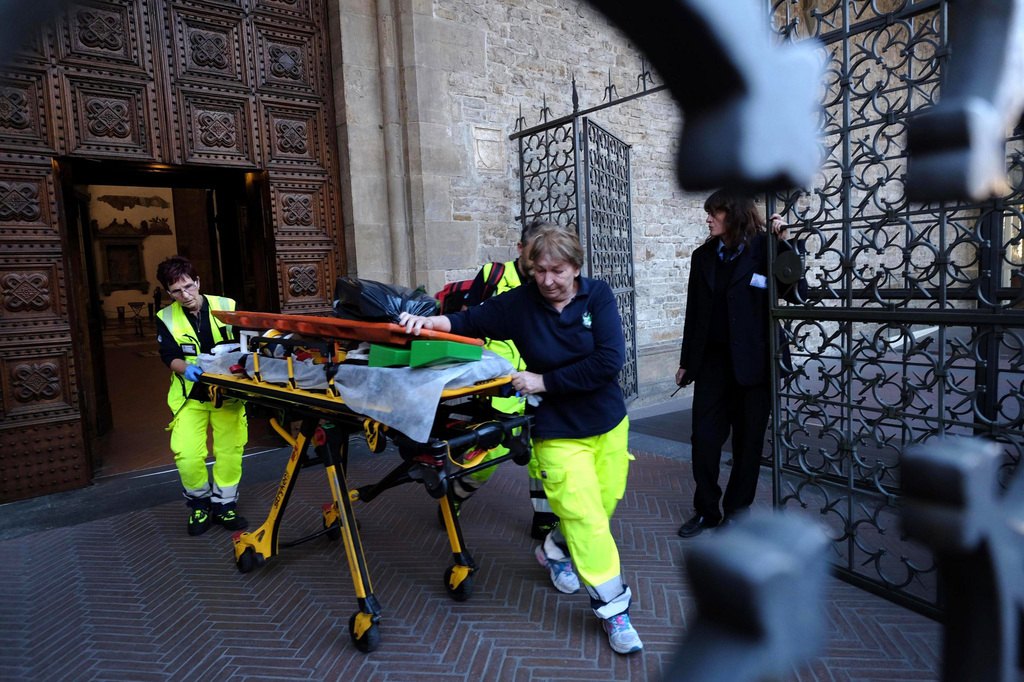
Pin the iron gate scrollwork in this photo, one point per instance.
(576, 174)
(913, 327)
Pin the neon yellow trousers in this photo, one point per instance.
(188, 443)
(584, 479)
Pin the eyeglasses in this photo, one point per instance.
(188, 288)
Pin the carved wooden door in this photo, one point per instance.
(243, 84)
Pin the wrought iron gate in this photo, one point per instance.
(589, 191)
(913, 327)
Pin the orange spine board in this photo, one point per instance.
(334, 328)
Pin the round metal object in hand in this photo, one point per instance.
(788, 267)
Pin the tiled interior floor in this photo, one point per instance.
(137, 385)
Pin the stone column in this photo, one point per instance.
(360, 128)
(400, 142)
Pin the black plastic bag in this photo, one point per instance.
(369, 301)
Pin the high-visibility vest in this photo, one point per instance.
(175, 319)
(506, 349)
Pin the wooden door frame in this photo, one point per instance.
(69, 172)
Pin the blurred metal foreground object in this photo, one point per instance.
(19, 19)
(750, 109)
(953, 505)
(958, 148)
(759, 588)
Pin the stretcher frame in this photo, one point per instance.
(461, 426)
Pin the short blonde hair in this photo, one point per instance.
(557, 243)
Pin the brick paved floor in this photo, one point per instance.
(132, 597)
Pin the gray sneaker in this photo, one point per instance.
(562, 576)
(622, 635)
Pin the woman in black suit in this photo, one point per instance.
(726, 353)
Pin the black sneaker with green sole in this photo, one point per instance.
(230, 519)
(198, 521)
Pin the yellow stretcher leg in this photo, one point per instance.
(332, 446)
(253, 548)
(458, 580)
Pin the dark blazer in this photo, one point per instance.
(747, 311)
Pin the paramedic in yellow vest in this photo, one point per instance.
(185, 329)
(515, 273)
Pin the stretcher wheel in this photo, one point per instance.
(370, 639)
(375, 438)
(247, 561)
(333, 531)
(465, 589)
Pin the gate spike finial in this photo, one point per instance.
(520, 122)
(544, 111)
(610, 93)
(575, 96)
(645, 76)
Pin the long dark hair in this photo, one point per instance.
(743, 220)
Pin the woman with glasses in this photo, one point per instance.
(185, 329)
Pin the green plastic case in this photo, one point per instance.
(388, 356)
(430, 353)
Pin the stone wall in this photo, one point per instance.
(507, 54)
(465, 68)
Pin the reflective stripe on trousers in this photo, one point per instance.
(188, 442)
(584, 479)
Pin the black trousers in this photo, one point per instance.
(720, 404)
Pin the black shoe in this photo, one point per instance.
(696, 525)
(542, 525)
(198, 521)
(230, 519)
(727, 522)
(539, 531)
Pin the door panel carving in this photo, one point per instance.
(24, 120)
(29, 292)
(37, 383)
(27, 209)
(239, 83)
(284, 61)
(109, 119)
(300, 209)
(293, 137)
(210, 49)
(217, 131)
(305, 279)
(102, 34)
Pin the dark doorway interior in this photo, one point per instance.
(121, 221)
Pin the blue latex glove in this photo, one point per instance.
(193, 372)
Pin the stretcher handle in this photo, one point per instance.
(280, 430)
(487, 435)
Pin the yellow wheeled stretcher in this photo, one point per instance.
(464, 425)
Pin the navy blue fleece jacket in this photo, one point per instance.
(579, 351)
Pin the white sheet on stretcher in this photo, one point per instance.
(400, 397)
